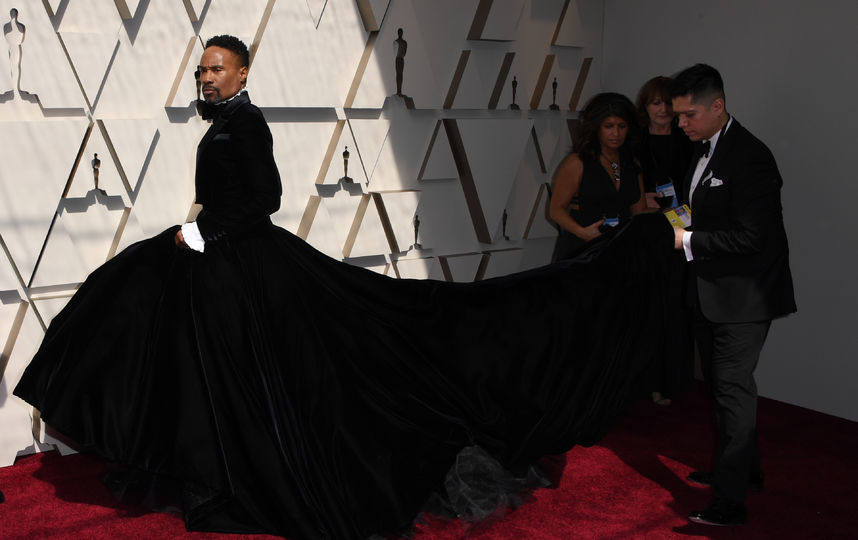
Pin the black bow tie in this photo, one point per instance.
(702, 149)
(207, 110)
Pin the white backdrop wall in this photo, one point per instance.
(790, 77)
(114, 79)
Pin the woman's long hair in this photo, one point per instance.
(600, 107)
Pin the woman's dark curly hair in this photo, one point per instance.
(600, 107)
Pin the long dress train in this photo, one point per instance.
(278, 390)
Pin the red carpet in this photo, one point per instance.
(631, 485)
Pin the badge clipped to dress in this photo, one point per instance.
(665, 195)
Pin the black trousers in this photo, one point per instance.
(729, 353)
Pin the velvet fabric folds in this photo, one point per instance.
(282, 391)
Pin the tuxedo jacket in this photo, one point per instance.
(237, 181)
(741, 257)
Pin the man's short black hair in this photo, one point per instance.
(231, 43)
(701, 81)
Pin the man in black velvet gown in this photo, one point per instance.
(234, 200)
(739, 280)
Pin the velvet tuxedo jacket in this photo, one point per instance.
(741, 257)
(236, 181)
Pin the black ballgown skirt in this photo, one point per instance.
(274, 389)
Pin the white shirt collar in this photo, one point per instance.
(224, 102)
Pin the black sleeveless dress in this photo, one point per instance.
(262, 386)
(664, 158)
(598, 198)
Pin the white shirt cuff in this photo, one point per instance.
(192, 236)
(686, 245)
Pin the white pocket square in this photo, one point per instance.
(716, 182)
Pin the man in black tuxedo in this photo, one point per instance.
(739, 280)
(237, 181)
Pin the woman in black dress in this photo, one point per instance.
(665, 154)
(599, 184)
(665, 150)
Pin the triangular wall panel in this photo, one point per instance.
(316, 9)
(522, 195)
(445, 222)
(131, 143)
(502, 21)
(195, 9)
(439, 161)
(308, 66)
(540, 224)
(480, 76)
(326, 234)
(81, 238)
(369, 136)
(144, 69)
(502, 263)
(464, 267)
(571, 27)
(403, 151)
(90, 54)
(373, 13)
(15, 414)
(299, 149)
(416, 268)
(128, 9)
(340, 214)
(494, 149)
(367, 231)
(400, 207)
(37, 158)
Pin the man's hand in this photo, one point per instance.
(180, 239)
(678, 233)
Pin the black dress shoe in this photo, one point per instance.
(721, 512)
(704, 478)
